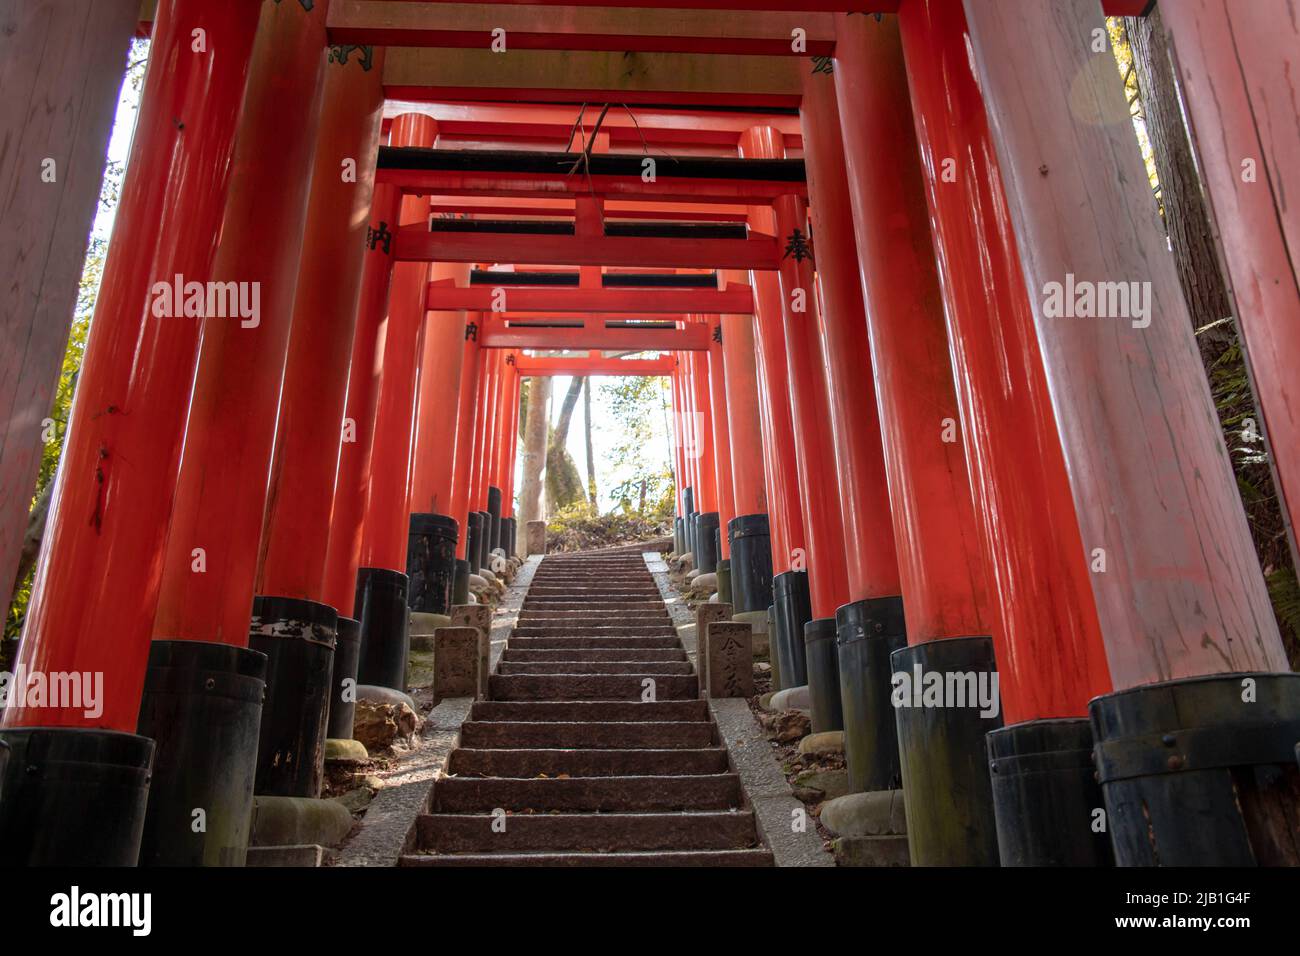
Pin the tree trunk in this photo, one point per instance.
(530, 498)
(591, 458)
(566, 411)
(1187, 220)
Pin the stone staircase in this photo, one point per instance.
(567, 765)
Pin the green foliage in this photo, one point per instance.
(640, 404)
(578, 528)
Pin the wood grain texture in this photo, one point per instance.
(61, 65)
(1182, 593)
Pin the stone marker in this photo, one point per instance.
(478, 616)
(706, 614)
(455, 662)
(535, 537)
(730, 659)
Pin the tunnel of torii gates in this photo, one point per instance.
(349, 230)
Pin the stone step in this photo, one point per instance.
(595, 630)
(569, 617)
(593, 643)
(551, 605)
(644, 668)
(723, 858)
(591, 686)
(592, 655)
(625, 735)
(590, 832)
(589, 711)
(586, 794)
(495, 762)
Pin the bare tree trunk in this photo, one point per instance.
(1187, 220)
(561, 435)
(591, 458)
(530, 498)
(36, 519)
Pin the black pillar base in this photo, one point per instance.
(71, 796)
(751, 562)
(867, 633)
(706, 554)
(1046, 796)
(941, 748)
(343, 696)
(688, 519)
(431, 563)
(494, 514)
(724, 580)
(474, 541)
(298, 639)
(1201, 771)
(679, 540)
(202, 705)
(385, 622)
(512, 528)
(460, 583)
(793, 610)
(823, 663)
(484, 554)
(778, 682)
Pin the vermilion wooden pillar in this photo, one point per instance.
(1179, 593)
(440, 373)
(745, 432)
(352, 486)
(60, 67)
(221, 491)
(702, 425)
(1237, 65)
(97, 579)
(778, 433)
(503, 456)
(814, 445)
(466, 419)
(1050, 654)
(871, 562)
(721, 441)
(1051, 659)
(1182, 594)
(304, 465)
(679, 469)
(386, 522)
(947, 594)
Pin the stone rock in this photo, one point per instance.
(293, 821)
(304, 855)
(535, 537)
(706, 583)
(871, 851)
(730, 669)
(345, 751)
(792, 698)
(487, 575)
(823, 744)
(765, 701)
(786, 726)
(384, 695)
(356, 800)
(693, 574)
(832, 783)
(377, 726)
(456, 662)
(878, 813)
(478, 585)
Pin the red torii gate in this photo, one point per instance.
(946, 469)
